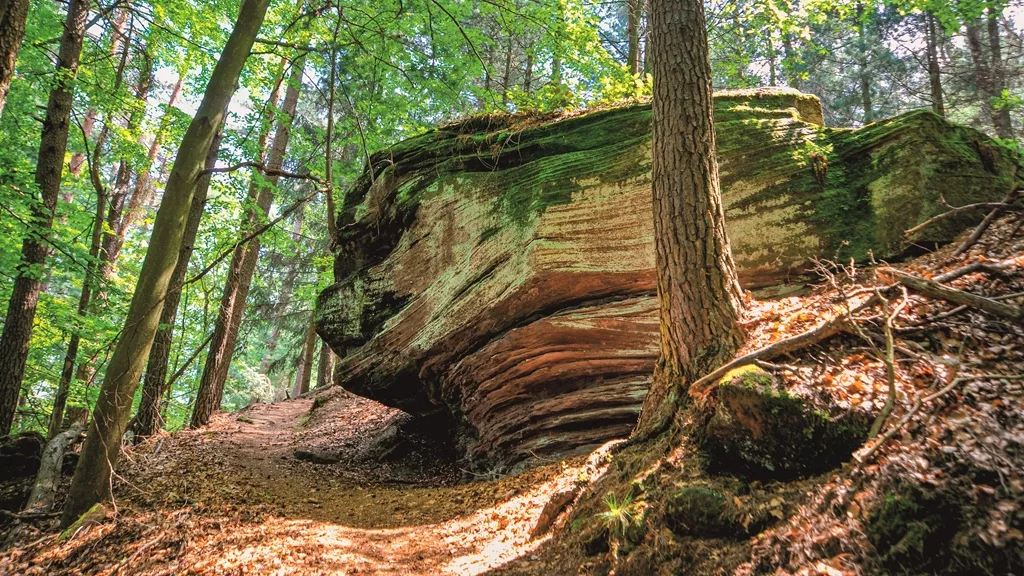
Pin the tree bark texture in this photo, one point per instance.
(934, 70)
(305, 371)
(242, 268)
(633, 15)
(21, 309)
(91, 482)
(1001, 120)
(325, 366)
(13, 16)
(698, 294)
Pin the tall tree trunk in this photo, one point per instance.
(91, 481)
(506, 79)
(934, 70)
(982, 71)
(305, 372)
(528, 73)
(633, 14)
(67, 372)
(13, 16)
(148, 419)
(285, 295)
(325, 366)
(241, 270)
(1001, 114)
(864, 63)
(21, 309)
(698, 294)
(119, 220)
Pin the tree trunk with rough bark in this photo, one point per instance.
(91, 482)
(982, 71)
(633, 15)
(21, 309)
(242, 268)
(13, 16)
(305, 372)
(864, 63)
(934, 70)
(1001, 120)
(698, 294)
(325, 366)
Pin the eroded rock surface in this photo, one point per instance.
(501, 270)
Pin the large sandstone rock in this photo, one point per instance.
(500, 270)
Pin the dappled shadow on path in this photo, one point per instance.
(232, 498)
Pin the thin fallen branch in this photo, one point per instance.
(1006, 204)
(29, 515)
(890, 366)
(935, 290)
(991, 267)
(702, 386)
(976, 235)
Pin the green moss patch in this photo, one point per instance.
(759, 432)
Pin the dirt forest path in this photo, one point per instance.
(235, 498)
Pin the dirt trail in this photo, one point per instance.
(233, 498)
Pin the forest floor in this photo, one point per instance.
(235, 498)
(336, 484)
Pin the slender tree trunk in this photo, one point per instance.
(284, 296)
(332, 215)
(148, 419)
(78, 159)
(91, 482)
(21, 309)
(13, 16)
(1001, 114)
(934, 70)
(325, 367)
(633, 14)
(982, 71)
(305, 371)
(241, 270)
(863, 50)
(698, 294)
(67, 373)
(528, 73)
(506, 79)
(142, 191)
(120, 219)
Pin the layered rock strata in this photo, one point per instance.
(500, 270)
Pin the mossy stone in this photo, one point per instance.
(757, 431)
(701, 511)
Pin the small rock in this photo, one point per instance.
(315, 457)
(552, 509)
